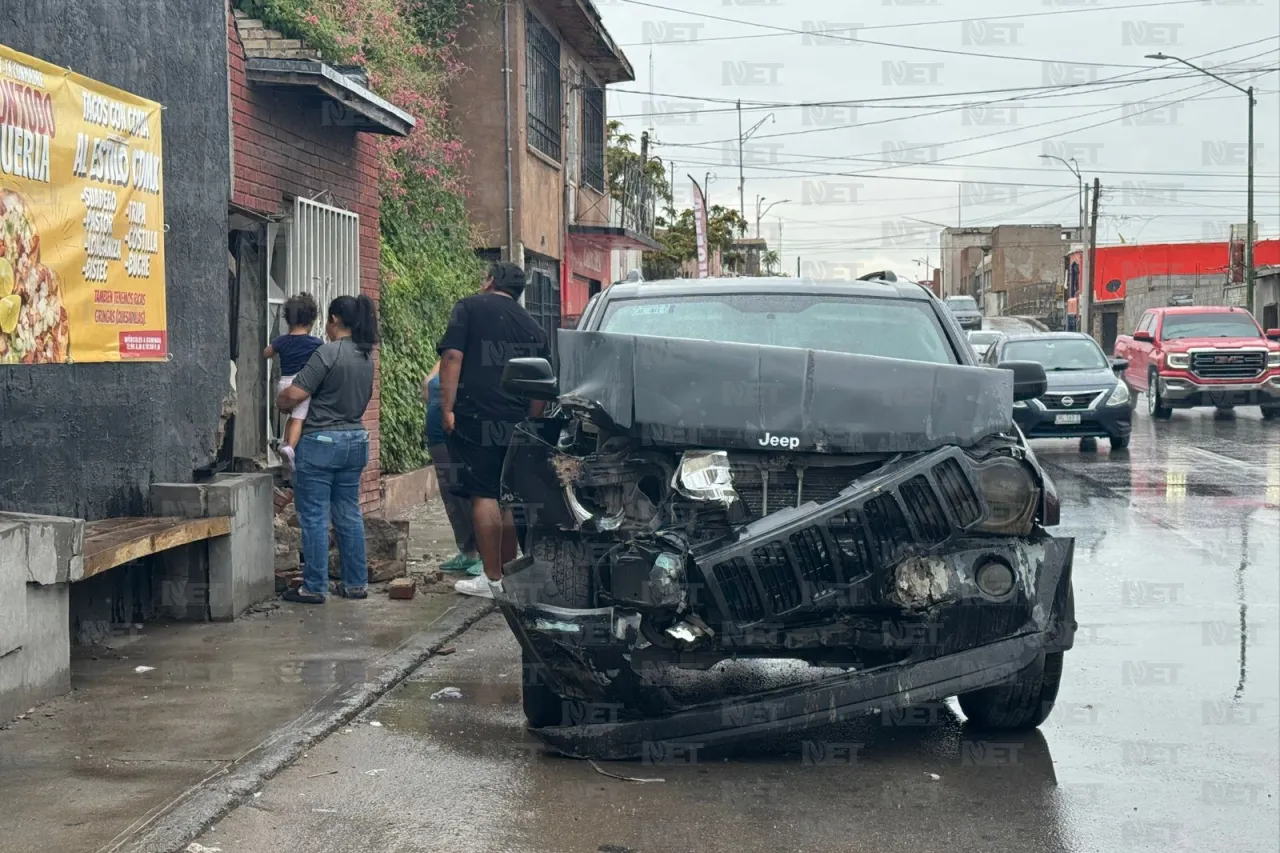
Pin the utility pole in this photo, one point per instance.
(644, 151)
(1087, 302)
(742, 181)
(1248, 227)
(1248, 237)
(779, 245)
(797, 266)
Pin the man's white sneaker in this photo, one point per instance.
(479, 587)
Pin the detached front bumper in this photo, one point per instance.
(1184, 390)
(798, 708)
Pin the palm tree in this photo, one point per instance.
(771, 261)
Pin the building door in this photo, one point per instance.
(1110, 320)
(248, 268)
(542, 294)
(1270, 317)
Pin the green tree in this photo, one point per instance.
(679, 239)
(770, 260)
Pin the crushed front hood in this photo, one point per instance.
(743, 396)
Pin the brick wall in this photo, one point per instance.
(282, 148)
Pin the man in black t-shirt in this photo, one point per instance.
(486, 331)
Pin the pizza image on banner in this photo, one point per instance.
(33, 321)
(81, 219)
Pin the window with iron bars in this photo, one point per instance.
(593, 137)
(316, 251)
(542, 87)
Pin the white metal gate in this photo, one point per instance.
(322, 257)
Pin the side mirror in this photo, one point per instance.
(1273, 334)
(531, 378)
(1119, 364)
(1143, 336)
(1029, 379)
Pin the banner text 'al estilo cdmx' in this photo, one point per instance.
(81, 219)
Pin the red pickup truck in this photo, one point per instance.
(1202, 356)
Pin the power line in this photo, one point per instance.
(935, 50)
(907, 24)
(809, 131)
(873, 172)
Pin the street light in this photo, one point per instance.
(1075, 170)
(760, 215)
(1248, 236)
(706, 188)
(742, 139)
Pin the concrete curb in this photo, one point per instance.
(201, 806)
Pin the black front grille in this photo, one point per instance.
(852, 544)
(741, 598)
(842, 545)
(957, 492)
(780, 591)
(889, 530)
(1228, 364)
(813, 557)
(925, 511)
(1074, 402)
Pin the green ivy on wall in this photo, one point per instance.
(408, 49)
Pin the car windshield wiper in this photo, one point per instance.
(1071, 369)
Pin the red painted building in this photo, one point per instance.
(1116, 265)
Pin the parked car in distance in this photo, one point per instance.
(1188, 357)
(982, 340)
(1085, 398)
(965, 311)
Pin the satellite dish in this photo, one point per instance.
(635, 276)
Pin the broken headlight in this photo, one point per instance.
(1012, 497)
(704, 475)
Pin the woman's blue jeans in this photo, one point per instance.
(327, 483)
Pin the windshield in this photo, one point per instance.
(889, 328)
(1208, 326)
(983, 339)
(962, 303)
(1058, 354)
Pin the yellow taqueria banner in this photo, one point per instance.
(81, 219)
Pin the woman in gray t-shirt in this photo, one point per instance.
(338, 380)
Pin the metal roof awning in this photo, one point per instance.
(610, 237)
(359, 107)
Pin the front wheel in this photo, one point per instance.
(1155, 406)
(1271, 413)
(1023, 703)
(1119, 442)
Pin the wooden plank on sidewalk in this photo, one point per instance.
(113, 542)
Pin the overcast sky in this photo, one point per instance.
(945, 120)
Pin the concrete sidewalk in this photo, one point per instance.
(142, 759)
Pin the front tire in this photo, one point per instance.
(1119, 442)
(1155, 406)
(1023, 703)
(1271, 413)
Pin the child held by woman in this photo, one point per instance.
(294, 350)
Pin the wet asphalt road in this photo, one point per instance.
(1166, 734)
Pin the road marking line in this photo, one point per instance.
(1218, 457)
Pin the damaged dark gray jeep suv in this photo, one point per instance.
(766, 468)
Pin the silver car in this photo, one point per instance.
(983, 340)
(965, 311)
